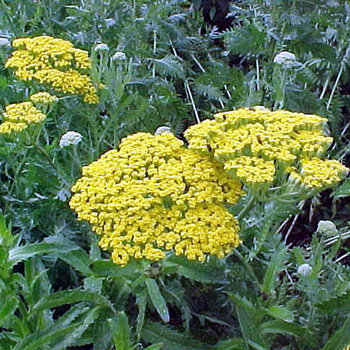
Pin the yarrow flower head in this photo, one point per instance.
(19, 116)
(5, 43)
(285, 59)
(258, 147)
(326, 227)
(43, 98)
(101, 47)
(304, 270)
(153, 195)
(54, 62)
(70, 138)
(119, 56)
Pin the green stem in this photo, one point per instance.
(247, 266)
(247, 208)
(46, 155)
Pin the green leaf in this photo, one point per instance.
(169, 65)
(50, 245)
(231, 344)
(8, 308)
(70, 297)
(157, 299)
(172, 340)
(281, 313)
(196, 271)
(63, 332)
(275, 266)
(337, 305)
(107, 268)
(121, 332)
(78, 259)
(141, 301)
(281, 327)
(340, 339)
(343, 190)
(250, 317)
(155, 347)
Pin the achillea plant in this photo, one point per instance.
(258, 147)
(154, 195)
(54, 62)
(19, 116)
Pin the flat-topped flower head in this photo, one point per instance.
(70, 138)
(256, 144)
(54, 62)
(18, 116)
(43, 98)
(154, 195)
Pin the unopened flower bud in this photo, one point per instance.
(119, 56)
(285, 59)
(304, 270)
(101, 47)
(326, 227)
(163, 130)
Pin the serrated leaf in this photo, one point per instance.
(231, 344)
(155, 347)
(8, 308)
(274, 267)
(63, 328)
(339, 304)
(121, 331)
(340, 339)
(343, 190)
(281, 327)
(172, 340)
(108, 268)
(70, 297)
(281, 313)
(157, 299)
(168, 65)
(201, 272)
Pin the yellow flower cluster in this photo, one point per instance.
(54, 62)
(154, 195)
(43, 98)
(18, 116)
(253, 144)
(317, 173)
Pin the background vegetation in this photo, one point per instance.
(184, 61)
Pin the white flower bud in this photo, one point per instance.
(110, 22)
(101, 47)
(119, 56)
(5, 42)
(285, 59)
(70, 138)
(163, 130)
(326, 227)
(304, 270)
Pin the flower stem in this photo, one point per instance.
(247, 208)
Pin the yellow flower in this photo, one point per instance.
(255, 145)
(54, 62)
(18, 116)
(43, 97)
(154, 195)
